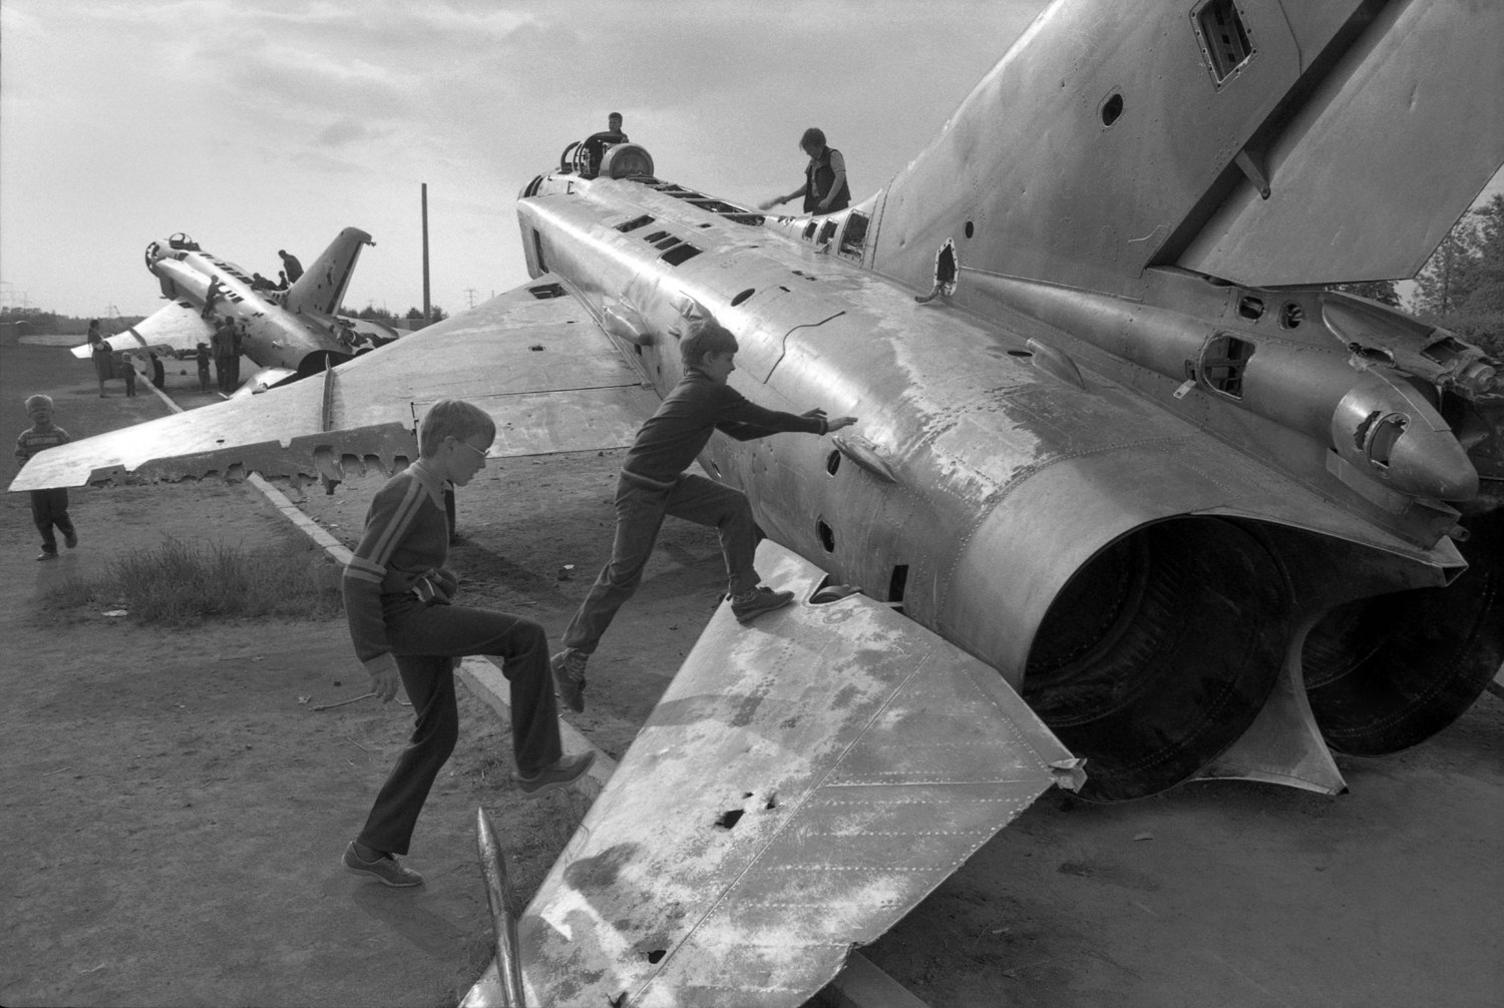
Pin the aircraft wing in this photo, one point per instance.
(535, 360)
(176, 326)
(801, 785)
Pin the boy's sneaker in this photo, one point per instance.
(70, 539)
(47, 555)
(566, 771)
(569, 677)
(754, 603)
(386, 869)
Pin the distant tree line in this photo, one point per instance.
(382, 315)
(1461, 287)
(35, 320)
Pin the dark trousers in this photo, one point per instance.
(49, 509)
(639, 516)
(228, 371)
(426, 639)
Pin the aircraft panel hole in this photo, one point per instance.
(969, 229)
(828, 591)
(728, 819)
(1291, 315)
(655, 237)
(1225, 41)
(1021, 353)
(536, 347)
(897, 581)
(833, 462)
(656, 955)
(634, 223)
(545, 291)
(1223, 361)
(1112, 108)
(1377, 436)
(1251, 308)
(809, 232)
(827, 535)
(783, 288)
(743, 296)
(771, 803)
(679, 255)
(827, 232)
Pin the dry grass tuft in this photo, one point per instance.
(181, 585)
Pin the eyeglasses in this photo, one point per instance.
(467, 444)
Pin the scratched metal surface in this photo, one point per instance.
(803, 783)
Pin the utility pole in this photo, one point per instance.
(470, 296)
(427, 310)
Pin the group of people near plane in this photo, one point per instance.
(825, 189)
(400, 598)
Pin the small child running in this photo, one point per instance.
(49, 508)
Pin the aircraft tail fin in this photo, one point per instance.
(322, 287)
(1258, 141)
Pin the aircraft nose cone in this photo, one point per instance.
(1430, 463)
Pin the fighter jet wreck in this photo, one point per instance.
(291, 331)
(1133, 488)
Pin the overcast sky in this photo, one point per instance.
(255, 125)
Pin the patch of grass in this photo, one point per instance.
(182, 585)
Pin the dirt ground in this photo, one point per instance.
(174, 808)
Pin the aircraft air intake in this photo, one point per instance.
(1159, 653)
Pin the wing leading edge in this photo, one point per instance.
(541, 367)
(801, 785)
(176, 326)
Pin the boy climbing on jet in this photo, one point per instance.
(653, 483)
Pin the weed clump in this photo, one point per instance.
(182, 585)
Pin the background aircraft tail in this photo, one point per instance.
(322, 287)
(1261, 142)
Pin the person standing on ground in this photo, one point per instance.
(825, 189)
(99, 350)
(223, 344)
(399, 603)
(127, 369)
(49, 508)
(653, 483)
(201, 357)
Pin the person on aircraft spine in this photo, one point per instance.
(290, 265)
(654, 483)
(825, 189)
(593, 150)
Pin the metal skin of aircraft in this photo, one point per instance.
(1130, 485)
(290, 334)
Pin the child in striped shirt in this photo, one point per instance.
(49, 508)
(398, 601)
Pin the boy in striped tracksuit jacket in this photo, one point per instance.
(398, 601)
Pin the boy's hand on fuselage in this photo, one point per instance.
(838, 423)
